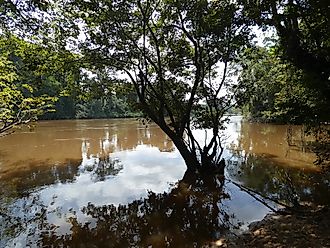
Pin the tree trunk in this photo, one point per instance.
(189, 157)
(204, 166)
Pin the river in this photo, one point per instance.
(116, 183)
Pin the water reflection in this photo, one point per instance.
(292, 186)
(160, 220)
(55, 150)
(114, 183)
(263, 160)
(115, 168)
(59, 141)
(272, 141)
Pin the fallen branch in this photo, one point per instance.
(253, 193)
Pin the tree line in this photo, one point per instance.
(37, 83)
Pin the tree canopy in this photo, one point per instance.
(20, 103)
(303, 30)
(273, 90)
(178, 56)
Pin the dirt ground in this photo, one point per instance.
(306, 228)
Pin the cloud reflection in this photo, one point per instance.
(115, 163)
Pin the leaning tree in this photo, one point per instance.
(177, 54)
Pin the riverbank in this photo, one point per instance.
(306, 228)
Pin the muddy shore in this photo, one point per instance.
(305, 228)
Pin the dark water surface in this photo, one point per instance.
(118, 183)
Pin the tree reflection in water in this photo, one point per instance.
(22, 212)
(190, 215)
(103, 168)
(292, 186)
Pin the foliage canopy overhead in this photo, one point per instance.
(177, 54)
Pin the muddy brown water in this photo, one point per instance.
(117, 183)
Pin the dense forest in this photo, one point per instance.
(270, 88)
